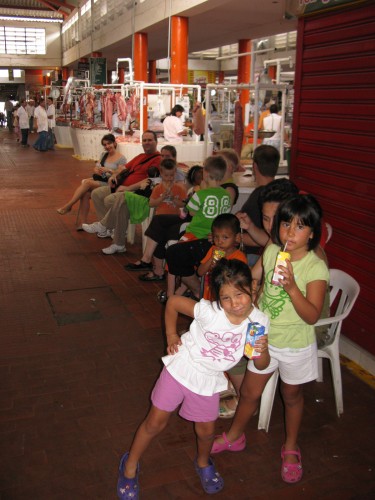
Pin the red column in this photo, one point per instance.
(140, 67)
(121, 75)
(152, 71)
(65, 73)
(179, 49)
(272, 72)
(220, 76)
(244, 64)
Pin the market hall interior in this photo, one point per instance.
(81, 341)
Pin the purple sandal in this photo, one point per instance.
(127, 488)
(211, 480)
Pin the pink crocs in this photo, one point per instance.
(238, 445)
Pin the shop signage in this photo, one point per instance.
(299, 8)
(98, 70)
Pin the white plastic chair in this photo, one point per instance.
(130, 234)
(344, 291)
(329, 231)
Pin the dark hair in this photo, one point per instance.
(108, 138)
(168, 164)
(227, 221)
(308, 211)
(274, 108)
(151, 132)
(267, 159)
(171, 149)
(230, 155)
(277, 191)
(215, 166)
(230, 272)
(176, 109)
(192, 173)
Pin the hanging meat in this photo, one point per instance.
(108, 109)
(238, 128)
(198, 119)
(90, 102)
(121, 107)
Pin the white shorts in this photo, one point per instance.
(296, 366)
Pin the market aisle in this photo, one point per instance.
(80, 348)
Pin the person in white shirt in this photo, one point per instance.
(193, 373)
(41, 126)
(30, 108)
(51, 114)
(272, 122)
(174, 129)
(23, 122)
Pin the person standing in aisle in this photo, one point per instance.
(30, 108)
(9, 111)
(41, 126)
(23, 123)
(51, 113)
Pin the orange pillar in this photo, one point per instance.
(179, 49)
(140, 67)
(244, 64)
(220, 76)
(152, 71)
(121, 75)
(65, 73)
(272, 72)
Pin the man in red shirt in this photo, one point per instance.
(111, 208)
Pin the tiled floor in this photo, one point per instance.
(81, 341)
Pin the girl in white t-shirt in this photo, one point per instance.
(193, 373)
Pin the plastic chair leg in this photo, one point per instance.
(320, 370)
(266, 402)
(337, 382)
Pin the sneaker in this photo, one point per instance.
(114, 249)
(107, 233)
(95, 227)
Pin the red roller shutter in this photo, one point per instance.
(333, 154)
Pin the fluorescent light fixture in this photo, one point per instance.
(31, 19)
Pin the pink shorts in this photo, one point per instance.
(168, 394)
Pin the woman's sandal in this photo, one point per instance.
(151, 276)
(225, 411)
(127, 488)
(63, 211)
(211, 480)
(142, 266)
(291, 473)
(238, 445)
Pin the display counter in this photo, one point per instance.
(87, 144)
(189, 151)
(63, 137)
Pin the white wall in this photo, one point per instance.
(50, 60)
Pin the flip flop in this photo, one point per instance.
(151, 277)
(211, 480)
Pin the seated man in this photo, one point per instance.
(112, 209)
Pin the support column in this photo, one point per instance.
(64, 74)
(152, 71)
(140, 68)
(272, 72)
(179, 49)
(244, 64)
(121, 75)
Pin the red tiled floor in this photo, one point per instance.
(74, 391)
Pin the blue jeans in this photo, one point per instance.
(41, 142)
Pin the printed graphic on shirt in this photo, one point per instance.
(211, 206)
(274, 298)
(223, 345)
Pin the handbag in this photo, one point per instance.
(101, 177)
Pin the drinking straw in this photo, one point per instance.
(285, 246)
